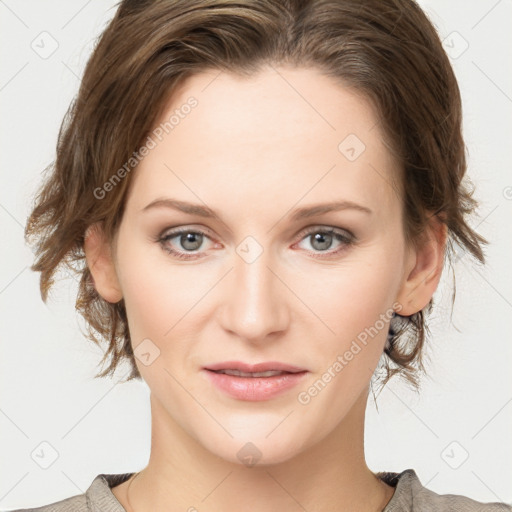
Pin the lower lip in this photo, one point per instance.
(255, 389)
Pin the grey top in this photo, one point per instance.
(410, 495)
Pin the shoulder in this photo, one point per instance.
(411, 495)
(98, 497)
(76, 503)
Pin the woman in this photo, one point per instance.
(262, 196)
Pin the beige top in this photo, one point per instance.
(409, 495)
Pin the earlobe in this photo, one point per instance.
(425, 269)
(99, 259)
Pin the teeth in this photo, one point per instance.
(237, 373)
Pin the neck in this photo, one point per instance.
(331, 475)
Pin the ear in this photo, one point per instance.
(424, 266)
(99, 259)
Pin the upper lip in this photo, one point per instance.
(253, 368)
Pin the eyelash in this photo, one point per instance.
(344, 236)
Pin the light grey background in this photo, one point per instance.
(455, 434)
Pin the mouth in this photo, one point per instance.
(255, 382)
(237, 373)
(254, 369)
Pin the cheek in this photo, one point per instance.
(156, 295)
(357, 294)
(370, 291)
(355, 308)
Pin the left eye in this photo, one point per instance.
(191, 240)
(322, 239)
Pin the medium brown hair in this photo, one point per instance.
(387, 50)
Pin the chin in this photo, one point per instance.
(255, 448)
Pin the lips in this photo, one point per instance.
(241, 369)
(254, 382)
(237, 373)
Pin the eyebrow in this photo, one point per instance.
(300, 213)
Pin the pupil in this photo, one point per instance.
(324, 239)
(189, 238)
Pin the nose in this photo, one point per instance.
(254, 305)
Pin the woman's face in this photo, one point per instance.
(268, 278)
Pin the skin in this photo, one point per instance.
(254, 150)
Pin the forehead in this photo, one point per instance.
(284, 134)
